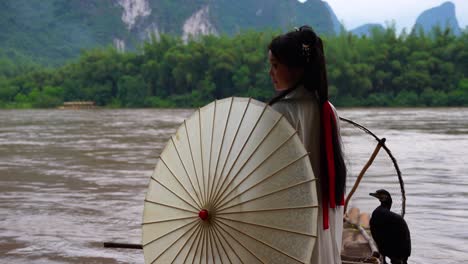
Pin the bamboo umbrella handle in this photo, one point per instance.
(363, 171)
(122, 245)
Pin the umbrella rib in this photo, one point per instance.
(178, 253)
(164, 186)
(206, 245)
(264, 243)
(211, 150)
(238, 242)
(190, 148)
(183, 187)
(171, 206)
(218, 241)
(198, 244)
(170, 232)
(266, 226)
(258, 183)
(236, 134)
(210, 238)
(220, 148)
(258, 166)
(172, 244)
(191, 246)
(223, 186)
(230, 148)
(170, 220)
(201, 142)
(203, 240)
(186, 172)
(218, 232)
(269, 210)
(268, 194)
(248, 138)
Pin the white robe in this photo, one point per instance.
(301, 109)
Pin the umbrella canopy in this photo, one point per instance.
(233, 185)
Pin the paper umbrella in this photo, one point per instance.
(233, 185)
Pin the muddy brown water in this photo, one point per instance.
(70, 180)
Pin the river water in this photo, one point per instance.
(70, 180)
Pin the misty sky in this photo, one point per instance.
(355, 13)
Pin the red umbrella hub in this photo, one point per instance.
(203, 214)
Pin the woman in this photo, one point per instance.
(299, 76)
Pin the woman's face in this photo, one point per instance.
(282, 76)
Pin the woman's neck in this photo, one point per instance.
(281, 89)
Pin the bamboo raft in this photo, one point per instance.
(357, 244)
(78, 105)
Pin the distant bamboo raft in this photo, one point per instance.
(358, 245)
(79, 105)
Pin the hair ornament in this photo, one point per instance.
(306, 52)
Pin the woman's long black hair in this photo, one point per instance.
(303, 49)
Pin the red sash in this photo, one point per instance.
(328, 194)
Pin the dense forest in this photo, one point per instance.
(53, 31)
(385, 69)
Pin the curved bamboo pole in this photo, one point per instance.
(395, 163)
(363, 171)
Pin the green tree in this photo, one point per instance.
(132, 91)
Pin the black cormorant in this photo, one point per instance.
(390, 230)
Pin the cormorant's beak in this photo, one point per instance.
(374, 194)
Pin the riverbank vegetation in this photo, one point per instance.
(384, 69)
